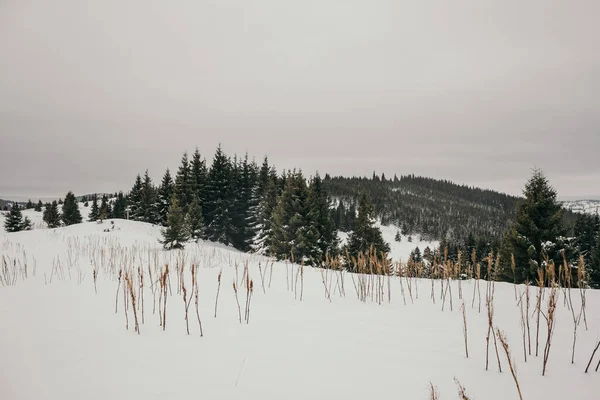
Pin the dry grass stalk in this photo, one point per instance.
(195, 294)
(464, 314)
(118, 289)
(513, 267)
(538, 309)
(513, 371)
(237, 301)
(218, 290)
(462, 392)
(249, 291)
(490, 308)
(129, 281)
(592, 357)
(550, 322)
(262, 276)
(164, 279)
(434, 394)
(141, 292)
(582, 285)
(185, 304)
(523, 328)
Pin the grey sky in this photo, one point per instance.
(480, 92)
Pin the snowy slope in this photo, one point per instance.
(61, 338)
(583, 206)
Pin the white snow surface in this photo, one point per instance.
(582, 206)
(59, 339)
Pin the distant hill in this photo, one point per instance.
(582, 206)
(434, 208)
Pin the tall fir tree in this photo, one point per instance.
(586, 230)
(264, 218)
(594, 270)
(291, 232)
(366, 236)
(183, 183)
(134, 200)
(95, 210)
(118, 210)
(219, 201)
(195, 220)
(148, 201)
(70, 210)
(39, 206)
(14, 221)
(176, 233)
(245, 177)
(198, 177)
(165, 193)
(51, 215)
(104, 211)
(538, 222)
(320, 215)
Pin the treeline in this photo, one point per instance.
(435, 209)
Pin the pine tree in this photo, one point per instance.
(70, 210)
(219, 201)
(120, 205)
(94, 211)
(538, 222)
(165, 193)
(265, 210)
(27, 224)
(39, 206)
(586, 231)
(198, 177)
(290, 237)
(148, 211)
(366, 235)
(135, 200)
(323, 241)
(104, 210)
(398, 237)
(194, 220)
(594, 270)
(29, 205)
(14, 221)
(245, 201)
(51, 215)
(183, 183)
(176, 234)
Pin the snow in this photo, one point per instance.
(583, 206)
(61, 340)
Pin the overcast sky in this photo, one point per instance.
(479, 92)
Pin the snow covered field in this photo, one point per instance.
(60, 337)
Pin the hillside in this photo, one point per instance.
(582, 206)
(66, 335)
(433, 208)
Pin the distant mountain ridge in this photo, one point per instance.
(582, 206)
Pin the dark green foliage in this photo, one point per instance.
(51, 215)
(176, 234)
(416, 255)
(39, 206)
(265, 217)
(290, 228)
(134, 200)
(321, 233)
(398, 237)
(70, 210)
(594, 266)
(245, 201)
(198, 177)
(195, 220)
(29, 205)
(14, 221)
(165, 193)
(184, 185)
(147, 211)
(27, 224)
(105, 210)
(537, 229)
(365, 235)
(95, 210)
(586, 230)
(120, 204)
(220, 200)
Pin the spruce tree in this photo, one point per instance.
(176, 234)
(594, 270)
(165, 193)
(291, 237)
(39, 206)
(538, 222)
(245, 202)
(183, 183)
(398, 237)
(264, 218)
(14, 221)
(219, 201)
(366, 235)
(27, 224)
(321, 216)
(194, 220)
(51, 215)
(148, 210)
(119, 207)
(94, 211)
(135, 200)
(29, 205)
(70, 210)
(104, 211)
(198, 177)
